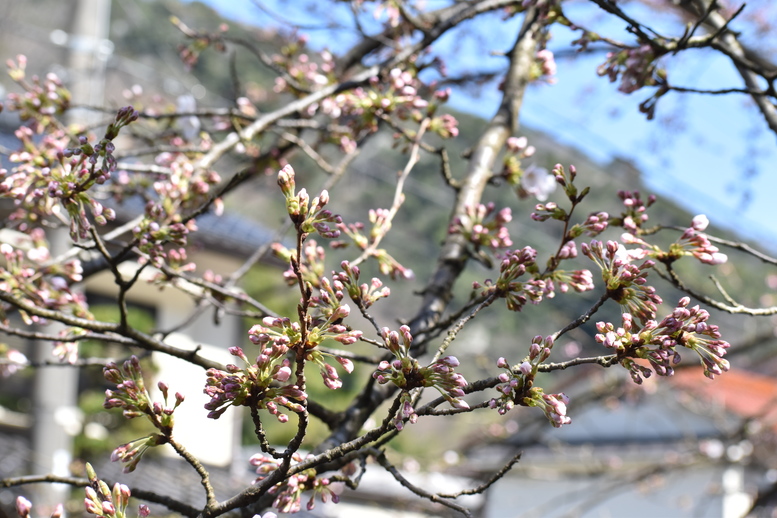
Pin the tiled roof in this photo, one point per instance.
(740, 392)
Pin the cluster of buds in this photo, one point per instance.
(311, 269)
(289, 493)
(517, 385)
(694, 242)
(328, 300)
(406, 373)
(24, 508)
(445, 125)
(566, 179)
(398, 95)
(42, 100)
(554, 406)
(281, 332)
(691, 243)
(28, 277)
(185, 188)
(130, 453)
(101, 152)
(386, 263)
(130, 394)
(38, 185)
(625, 282)
(550, 210)
(479, 228)
(518, 148)
(328, 372)
(132, 397)
(544, 67)
(151, 236)
(102, 501)
(636, 67)
(657, 342)
(177, 259)
(635, 215)
(594, 225)
(190, 54)
(66, 349)
(515, 292)
(263, 384)
(364, 295)
(578, 280)
(381, 222)
(28, 181)
(303, 73)
(11, 361)
(307, 217)
(391, 11)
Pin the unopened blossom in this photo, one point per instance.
(554, 406)
(446, 126)
(23, 507)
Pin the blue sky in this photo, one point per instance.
(700, 150)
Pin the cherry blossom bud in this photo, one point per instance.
(23, 506)
(700, 223)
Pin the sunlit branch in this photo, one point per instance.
(735, 309)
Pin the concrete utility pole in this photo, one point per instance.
(56, 413)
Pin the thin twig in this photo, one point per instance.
(380, 456)
(483, 487)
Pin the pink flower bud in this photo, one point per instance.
(700, 223)
(23, 506)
